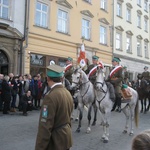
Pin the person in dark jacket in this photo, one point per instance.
(6, 94)
(1, 100)
(26, 103)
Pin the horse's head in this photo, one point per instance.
(99, 83)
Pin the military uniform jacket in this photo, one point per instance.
(68, 74)
(54, 131)
(146, 75)
(116, 80)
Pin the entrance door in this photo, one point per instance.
(3, 63)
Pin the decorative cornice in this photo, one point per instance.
(129, 5)
(103, 20)
(119, 28)
(139, 12)
(129, 32)
(87, 13)
(139, 37)
(64, 3)
(4, 26)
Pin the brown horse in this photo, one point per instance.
(143, 89)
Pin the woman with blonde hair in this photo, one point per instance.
(141, 141)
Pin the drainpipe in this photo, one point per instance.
(25, 38)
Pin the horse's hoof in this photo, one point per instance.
(76, 119)
(78, 130)
(124, 132)
(94, 123)
(105, 141)
(131, 134)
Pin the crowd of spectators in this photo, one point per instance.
(26, 89)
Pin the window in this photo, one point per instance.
(146, 50)
(128, 44)
(139, 2)
(145, 24)
(145, 5)
(139, 47)
(86, 29)
(128, 15)
(103, 35)
(139, 21)
(118, 41)
(104, 4)
(41, 15)
(119, 9)
(4, 9)
(63, 21)
(89, 1)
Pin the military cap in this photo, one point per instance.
(145, 67)
(116, 59)
(124, 86)
(125, 67)
(55, 71)
(69, 59)
(95, 57)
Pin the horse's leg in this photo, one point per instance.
(89, 119)
(141, 105)
(81, 107)
(145, 105)
(95, 115)
(132, 111)
(126, 112)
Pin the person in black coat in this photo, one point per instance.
(26, 103)
(6, 94)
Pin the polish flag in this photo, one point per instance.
(81, 58)
(68, 67)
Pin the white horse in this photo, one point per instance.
(86, 96)
(104, 103)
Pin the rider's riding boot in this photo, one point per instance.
(114, 106)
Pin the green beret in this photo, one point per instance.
(95, 57)
(124, 86)
(55, 71)
(116, 59)
(69, 59)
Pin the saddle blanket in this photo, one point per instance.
(126, 94)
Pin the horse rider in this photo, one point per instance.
(125, 75)
(146, 74)
(116, 78)
(69, 69)
(92, 77)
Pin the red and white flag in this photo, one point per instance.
(68, 67)
(81, 58)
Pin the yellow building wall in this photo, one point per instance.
(50, 42)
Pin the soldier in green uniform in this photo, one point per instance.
(116, 78)
(69, 69)
(54, 132)
(125, 75)
(146, 74)
(90, 67)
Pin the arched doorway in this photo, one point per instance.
(3, 63)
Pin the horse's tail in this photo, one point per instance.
(136, 112)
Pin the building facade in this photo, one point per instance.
(131, 35)
(12, 20)
(57, 28)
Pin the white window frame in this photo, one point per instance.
(41, 24)
(145, 5)
(146, 49)
(145, 25)
(2, 7)
(128, 14)
(103, 4)
(139, 2)
(119, 9)
(103, 35)
(118, 41)
(86, 29)
(65, 21)
(139, 20)
(139, 47)
(128, 43)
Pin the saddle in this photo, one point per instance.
(126, 93)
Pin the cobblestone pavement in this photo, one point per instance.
(18, 132)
